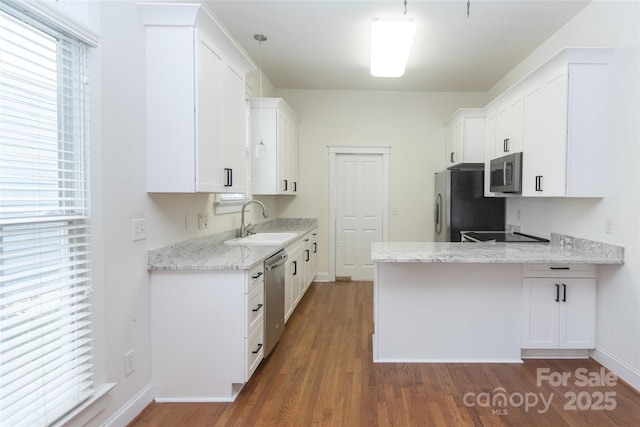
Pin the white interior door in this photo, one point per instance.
(359, 213)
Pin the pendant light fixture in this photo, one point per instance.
(391, 41)
(261, 148)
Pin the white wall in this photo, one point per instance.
(613, 24)
(409, 122)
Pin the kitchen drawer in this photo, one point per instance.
(255, 309)
(559, 270)
(255, 350)
(255, 276)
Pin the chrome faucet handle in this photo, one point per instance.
(249, 228)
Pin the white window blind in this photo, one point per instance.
(45, 288)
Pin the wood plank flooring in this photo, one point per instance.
(321, 374)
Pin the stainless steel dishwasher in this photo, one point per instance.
(273, 300)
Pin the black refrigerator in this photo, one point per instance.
(460, 205)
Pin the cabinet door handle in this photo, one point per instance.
(451, 157)
(307, 254)
(557, 293)
(506, 145)
(257, 349)
(295, 268)
(228, 178)
(315, 248)
(538, 182)
(257, 308)
(564, 293)
(258, 274)
(286, 185)
(295, 186)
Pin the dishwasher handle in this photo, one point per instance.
(281, 259)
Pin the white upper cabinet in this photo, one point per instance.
(465, 137)
(556, 116)
(196, 102)
(564, 132)
(509, 118)
(275, 169)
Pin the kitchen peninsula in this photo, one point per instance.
(478, 302)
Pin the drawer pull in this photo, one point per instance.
(560, 268)
(257, 349)
(258, 307)
(258, 274)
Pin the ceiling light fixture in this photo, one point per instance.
(391, 41)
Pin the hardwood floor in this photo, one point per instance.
(321, 374)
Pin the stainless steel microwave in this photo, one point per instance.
(506, 174)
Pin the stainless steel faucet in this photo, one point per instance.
(244, 229)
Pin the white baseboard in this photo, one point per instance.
(542, 353)
(132, 408)
(322, 277)
(623, 370)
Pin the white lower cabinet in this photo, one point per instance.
(300, 270)
(207, 332)
(293, 274)
(559, 305)
(310, 258)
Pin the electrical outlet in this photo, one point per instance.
(138, 229)
(203, 220)
(188, 222)
(608, 225)
(129, 362)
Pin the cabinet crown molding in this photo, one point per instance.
(566, 56)
(197, 16)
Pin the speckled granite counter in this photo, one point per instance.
(561, 250)
(211, 253)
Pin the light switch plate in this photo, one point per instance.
(138, 229)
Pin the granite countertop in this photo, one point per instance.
(211, 253)
(562, 250)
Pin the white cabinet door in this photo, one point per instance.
(298, 278)
(235, 136)
(540, 317)
(284, 157)
(210, 155)
(558, 313)
(288, 288)
(451, 146)
(293, 155)
(577, 317)
(544, 133)
(509, 121)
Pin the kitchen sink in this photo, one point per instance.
(262, 239)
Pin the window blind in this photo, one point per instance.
(45, 286)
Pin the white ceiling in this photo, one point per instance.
(324, 44)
